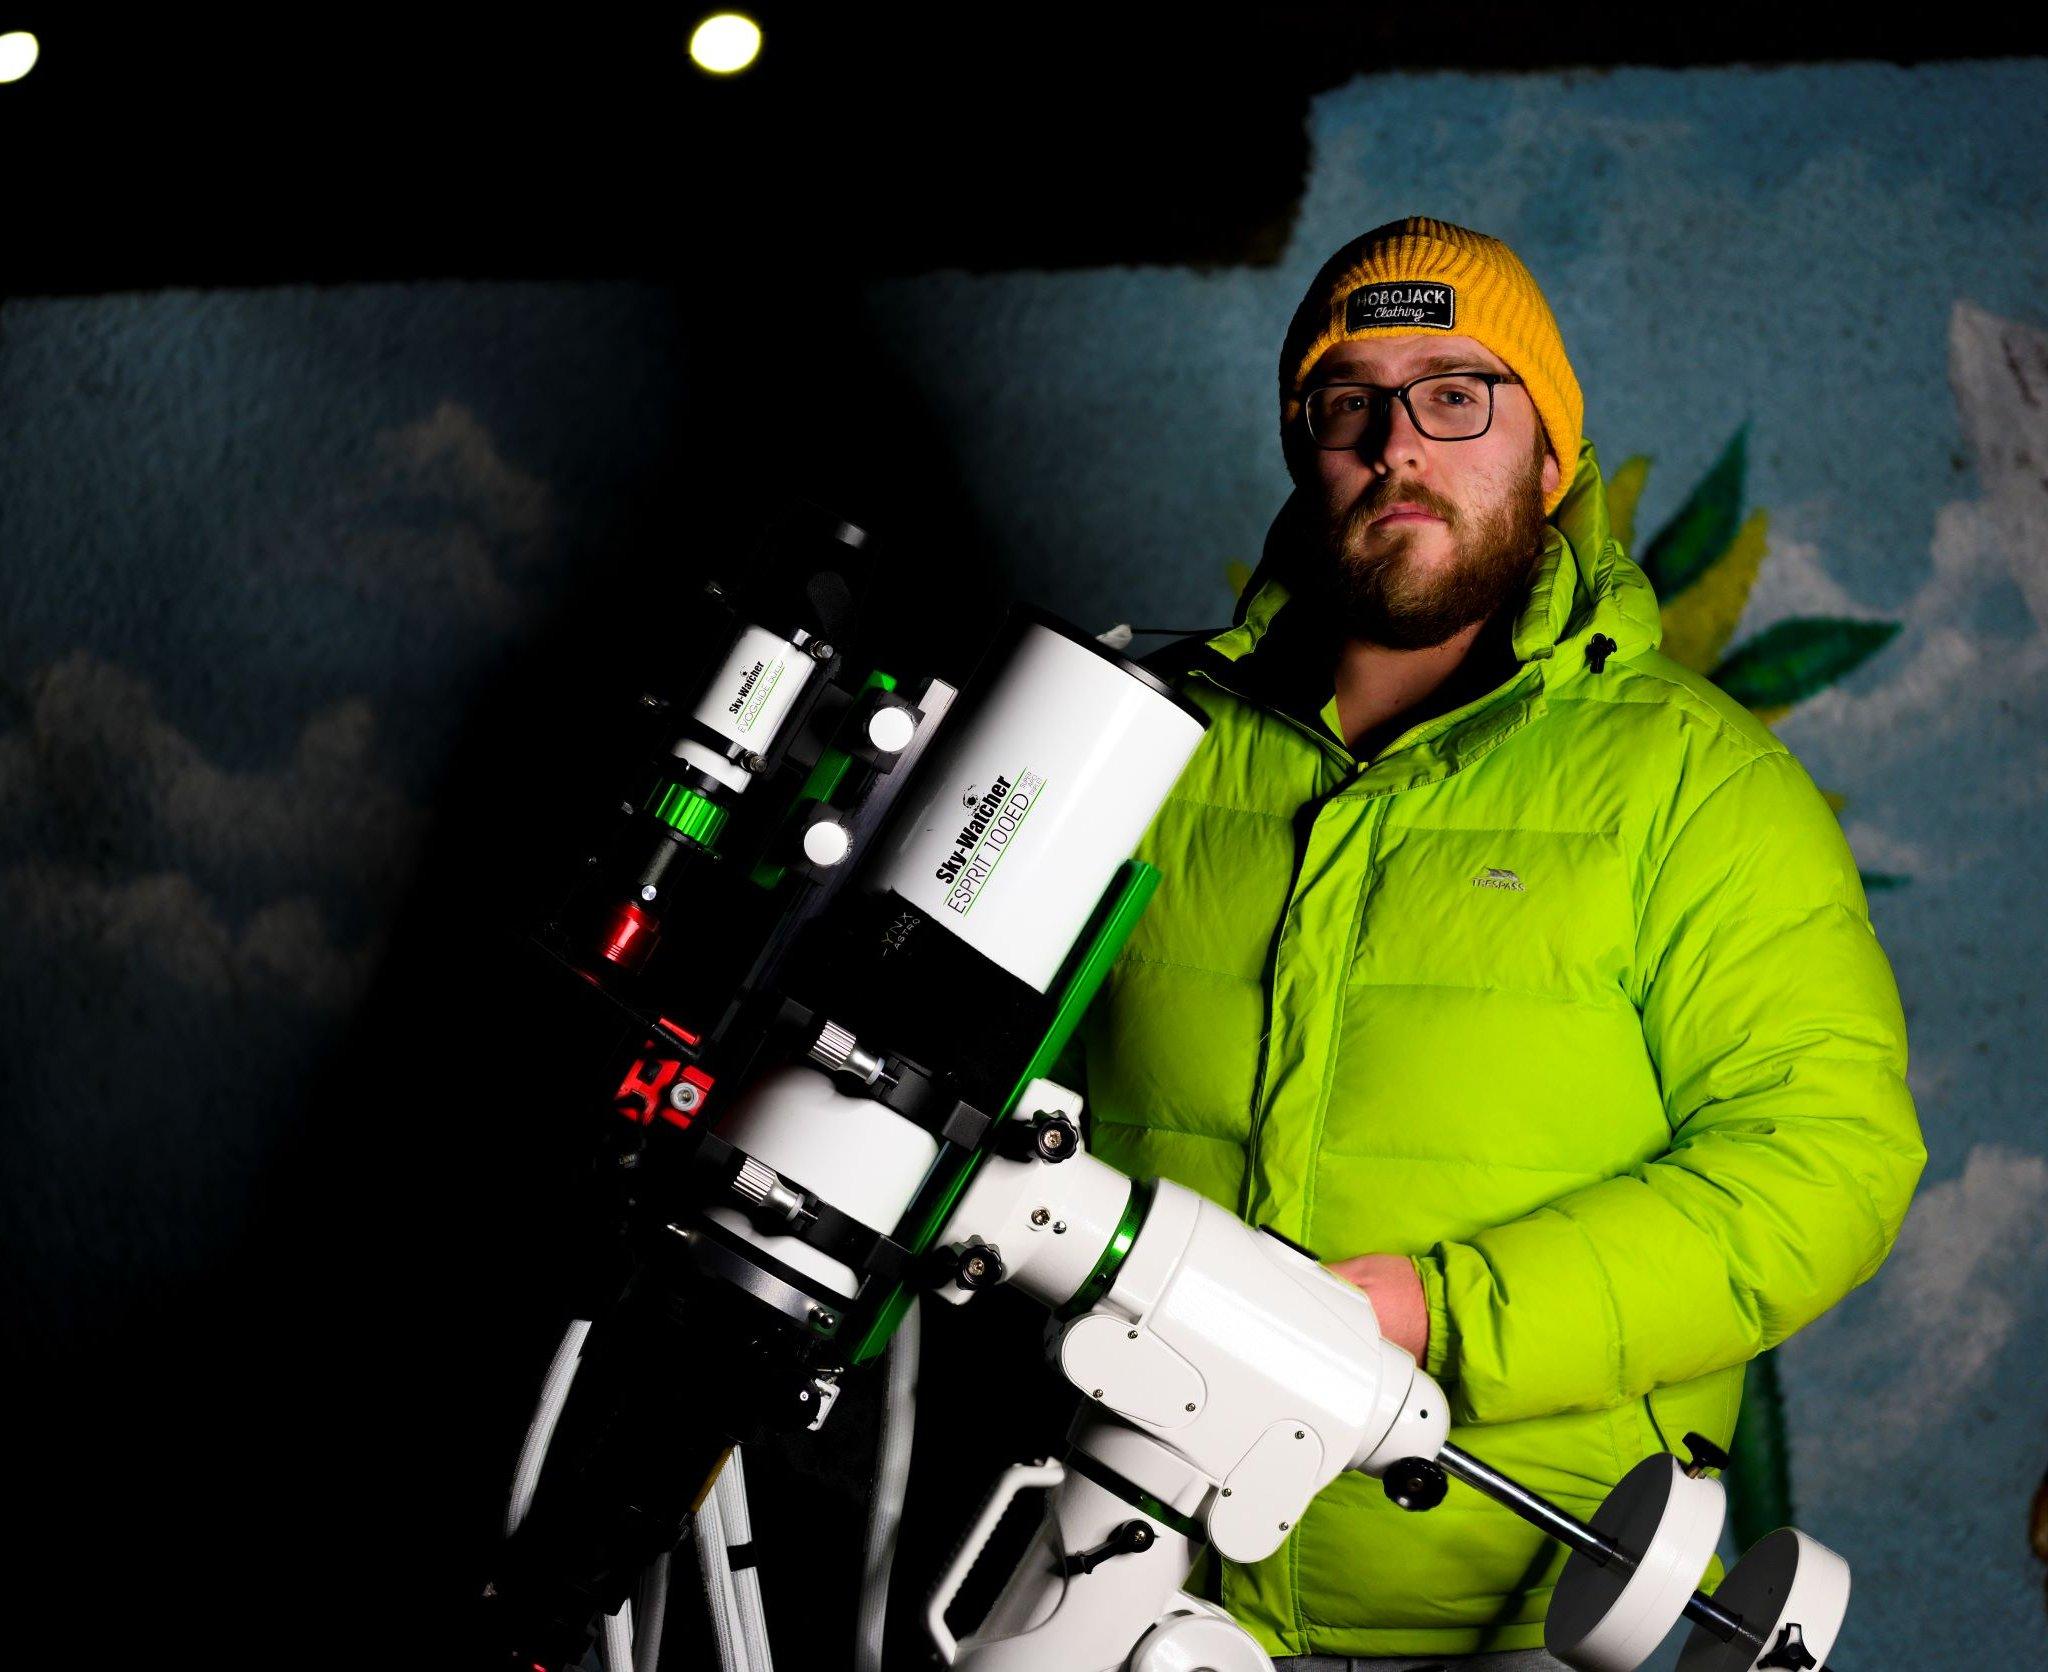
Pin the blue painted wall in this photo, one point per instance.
(264, 554)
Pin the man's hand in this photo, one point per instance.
(1391, 1284)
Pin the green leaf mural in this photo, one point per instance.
(1690, 543)
(1759, 1475)
(1790, 661)
(1703, 562)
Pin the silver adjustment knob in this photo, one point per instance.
(891, 729)
(837, 1052)
(762, 1185)
(754, 1181)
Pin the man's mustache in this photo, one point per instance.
(1389, 494)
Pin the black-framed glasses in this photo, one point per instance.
(1444, 406)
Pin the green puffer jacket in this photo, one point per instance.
(1571, 993)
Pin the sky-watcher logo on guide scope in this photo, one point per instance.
(986, 837)
(753, 695)
(1401, 303)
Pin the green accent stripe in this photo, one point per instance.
(1099, 1281)
(1140, 883)
(1136, 883)
(1093, 1468)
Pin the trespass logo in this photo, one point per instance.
(986, 837)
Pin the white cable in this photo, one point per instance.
(892, 1482)
(723, 1604)
(739, 1529)
(618, 1639)
(554, 1394)
(651, 1610)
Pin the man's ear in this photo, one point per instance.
(1551, 474)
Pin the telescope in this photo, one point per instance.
(846, 921)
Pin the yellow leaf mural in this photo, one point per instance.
(1700, 621)
(1624, 488)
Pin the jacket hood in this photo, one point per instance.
(1583, 585)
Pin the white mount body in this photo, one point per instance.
(1234, 1378)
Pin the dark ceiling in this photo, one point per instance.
(378, 143)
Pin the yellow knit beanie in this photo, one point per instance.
(1419, 275)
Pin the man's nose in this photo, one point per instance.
(1392, 439)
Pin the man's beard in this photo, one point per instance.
(1393, 598)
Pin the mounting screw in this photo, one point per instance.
(1130, 1335)
(755, 763)
(1054, 1137)
(1191, 1404)
(1285, 1525)
(981, 1267)
(647, 891)
(1059, 1227)
(1041, 1216)
(1415, 1483)
(1226, 1492)
(820, 650)
(685, 1095)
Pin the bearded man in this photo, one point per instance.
(1503, 962)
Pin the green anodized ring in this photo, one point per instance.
(1093, 1468)
(696, 816)
(1099, 1281)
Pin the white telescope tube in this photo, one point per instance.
(1041, 795)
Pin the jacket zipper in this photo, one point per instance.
(1331, 747)
(1258, 1110)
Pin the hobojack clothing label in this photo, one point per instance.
(1402, 302)
(986, 837)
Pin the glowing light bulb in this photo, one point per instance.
(725, 42)
(18, 53)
